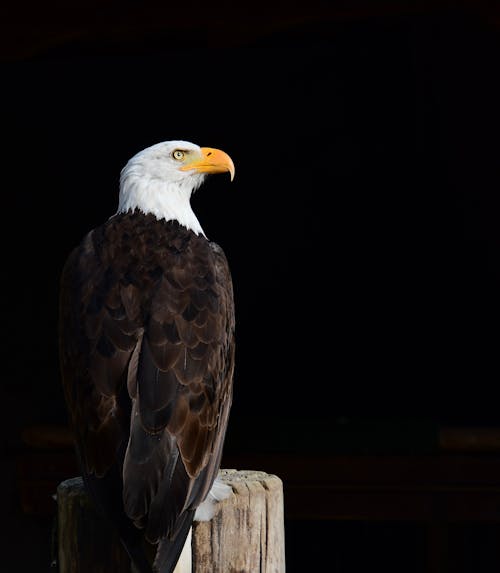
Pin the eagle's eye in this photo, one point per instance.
(178, 154)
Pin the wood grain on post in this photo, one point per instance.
(86, 542)
(245, 536)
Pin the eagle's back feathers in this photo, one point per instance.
(147, 358)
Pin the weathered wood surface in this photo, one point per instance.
(85, 540)
(245, 536)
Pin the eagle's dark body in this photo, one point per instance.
(147, 359)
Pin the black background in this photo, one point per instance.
(362, 225)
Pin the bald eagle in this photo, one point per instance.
(147, 353)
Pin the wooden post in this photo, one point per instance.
(85, 540)
(246, 534)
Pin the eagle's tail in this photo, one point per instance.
(185, 561)
(139, 562)
(103, 491)
(169, 550)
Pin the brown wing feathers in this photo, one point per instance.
(147, 357)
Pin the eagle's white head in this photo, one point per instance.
(161, 179)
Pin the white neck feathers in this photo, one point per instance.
(169, 200)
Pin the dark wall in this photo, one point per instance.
(361, 227)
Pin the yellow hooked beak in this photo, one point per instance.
(211, 161)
